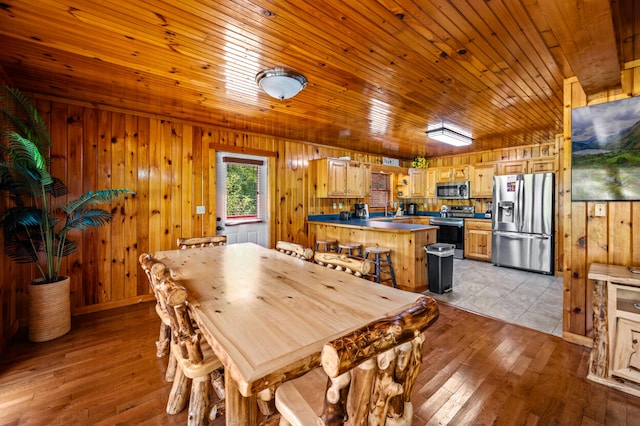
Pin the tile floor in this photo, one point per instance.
(529, 299)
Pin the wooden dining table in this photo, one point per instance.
(267, 314)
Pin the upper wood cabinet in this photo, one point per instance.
(336, 178)
(512, 167)
(453, 174)
(432, 178)
(542, 165)
(417, 182)
(535, 165)
(481, 181)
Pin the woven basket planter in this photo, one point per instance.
(49, 310)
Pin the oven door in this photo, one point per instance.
(452, 234)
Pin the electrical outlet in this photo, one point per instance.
(334, 206)
(200, 210)
(600, 209)
(340, 205)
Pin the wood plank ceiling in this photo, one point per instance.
(379, 71)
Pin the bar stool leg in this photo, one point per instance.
(376, 272)
(391, 271)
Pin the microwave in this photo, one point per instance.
(453, 190)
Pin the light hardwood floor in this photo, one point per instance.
(476, 371)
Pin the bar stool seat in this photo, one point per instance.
(382, 264)
(352, 249)
(327, 245)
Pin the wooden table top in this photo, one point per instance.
(267, 315)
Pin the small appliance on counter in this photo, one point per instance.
(361, 211)
(345, 215)
(412, 209)
(489, 211)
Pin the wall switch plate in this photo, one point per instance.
(200, 210)
(340, 205)
(334, 206)
(601, 209)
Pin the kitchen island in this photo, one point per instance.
(405, 240)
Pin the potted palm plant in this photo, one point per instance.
(39, 216)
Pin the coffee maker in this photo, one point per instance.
(361, 211)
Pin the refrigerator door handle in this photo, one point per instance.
(518, 235)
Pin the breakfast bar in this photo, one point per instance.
(405, 240)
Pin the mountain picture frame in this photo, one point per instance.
(605, 151)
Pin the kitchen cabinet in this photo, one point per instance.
(542, 165)
(417, 182)
(432, 178)
(477, 239)
(614, 357)
(512, 167)
(481, 181)
(453, 174)
(337, 178)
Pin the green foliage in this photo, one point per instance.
(37, 224)
(242, 189)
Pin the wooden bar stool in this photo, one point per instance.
(327, 245)
(381, 264)
(352, 249)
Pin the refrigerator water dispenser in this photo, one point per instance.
(505, 212)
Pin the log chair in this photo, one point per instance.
(194, 242)
(294, 249)
(342, 262)
(368, 375)
(195, 359)
(153, 275)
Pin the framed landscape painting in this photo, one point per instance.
(605, 151)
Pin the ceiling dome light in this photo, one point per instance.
(281, 83)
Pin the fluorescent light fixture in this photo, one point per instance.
(449, 136)
(280, 83)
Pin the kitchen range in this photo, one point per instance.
(451, 223)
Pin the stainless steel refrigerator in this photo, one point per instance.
(523, 222)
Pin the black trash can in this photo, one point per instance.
(440, 267)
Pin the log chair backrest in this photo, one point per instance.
(294, 249)
(175, 297)
(342, 262)
(216, 240)
(154, 271)
(377, 365)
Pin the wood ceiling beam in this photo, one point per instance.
(585, 32)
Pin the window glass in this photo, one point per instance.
(242, 191)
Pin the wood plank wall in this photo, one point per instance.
(9, 277)
(171, 167)
(588, 238)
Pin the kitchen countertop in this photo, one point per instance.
(382, 223)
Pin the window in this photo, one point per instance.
(380, 190)
(244, 180)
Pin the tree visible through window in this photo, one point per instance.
(242, 191)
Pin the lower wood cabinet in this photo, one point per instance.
(615, 353)
(477, 239)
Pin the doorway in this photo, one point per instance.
(242, 198)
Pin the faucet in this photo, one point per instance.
(386, 211)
